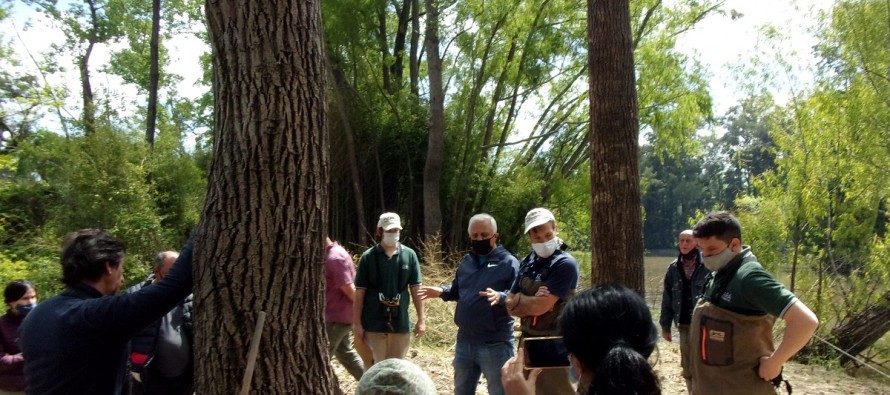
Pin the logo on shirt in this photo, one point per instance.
(726, 297)
(492, 265)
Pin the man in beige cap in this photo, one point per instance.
(387, 273)
(547, 279)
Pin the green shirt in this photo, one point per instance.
(752, 290)
(393, 276)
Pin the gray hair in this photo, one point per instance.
(483, 217)
(162, 257)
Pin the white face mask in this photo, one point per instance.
(547, 248)
(390, 239)
(718, 261)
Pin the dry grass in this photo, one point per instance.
(434, 351)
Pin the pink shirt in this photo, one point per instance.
(339, 270)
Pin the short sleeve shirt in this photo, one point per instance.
(562, 275)
(338, 271)
(752, 290)
(389, 277)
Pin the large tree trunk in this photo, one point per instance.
(153, 74)
(260, 244)
(616, 221)
(432, 172)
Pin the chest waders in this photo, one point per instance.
(392, 304)
(550, 381)
(727, 347)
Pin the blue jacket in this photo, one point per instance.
(477, 320)
(76, 343)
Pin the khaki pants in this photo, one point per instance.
(341, 348)
(685, 355)
(2, 392)
(388, 345)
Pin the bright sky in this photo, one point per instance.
(718, 42)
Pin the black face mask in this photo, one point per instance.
(482, 247)
(692, 254)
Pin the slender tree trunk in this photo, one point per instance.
(413, 66)
(260, 244)
(614, 152)
(432, 172)
(398, 52)
(384, 51)
(153, 74)
(339, 78)
(89, 105)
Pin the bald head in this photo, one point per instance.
(162, 263)
(686, 242)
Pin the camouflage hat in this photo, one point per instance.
(395, 377)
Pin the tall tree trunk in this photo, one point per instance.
(341, 85)
(260, 244)
(614, 152)
(153, 74)
(399, 46)
(432, 172)
(413, 66)
(89, 105)
(383, 46)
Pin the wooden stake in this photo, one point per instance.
(252, 353)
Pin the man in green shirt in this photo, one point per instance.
(732, 322)
(387, 274)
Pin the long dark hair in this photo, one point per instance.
(610, 330)
(15, 290)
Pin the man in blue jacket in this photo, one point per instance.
(76, 343)
(485, 329)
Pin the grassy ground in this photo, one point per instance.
(435, 350)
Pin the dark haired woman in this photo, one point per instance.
(610, 334)
(20, 297)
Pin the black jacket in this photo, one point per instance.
(672, 297)
(143, 346)
(76, 343)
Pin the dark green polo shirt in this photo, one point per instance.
(377, 274)
(752, 290)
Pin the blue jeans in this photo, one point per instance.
(471, 360)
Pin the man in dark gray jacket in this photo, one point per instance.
(683, 285)
(485, 329)
(161, 354)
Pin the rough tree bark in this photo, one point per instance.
(614, 152)
(153, 74)
(260, 244)
(432, 172)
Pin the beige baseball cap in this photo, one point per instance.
(538, 216)
(389, 221)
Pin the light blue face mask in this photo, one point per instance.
(718, 261)
(390, 239)
(24, 309)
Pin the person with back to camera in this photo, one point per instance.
(21, 297)
(732, 324)
(75, 343)
(609, 333)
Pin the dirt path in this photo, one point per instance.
(805, 379)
